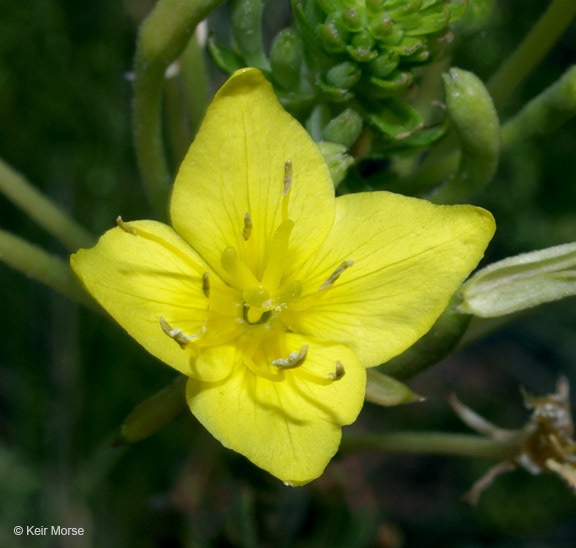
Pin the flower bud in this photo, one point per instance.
(521, 282)
(286, 58)
(344, 129)
(384, 390)
(343, 76)
(337, 159)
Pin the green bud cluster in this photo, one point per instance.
(371, 46)
(344, 65)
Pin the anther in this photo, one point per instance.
(339, 373)
(287, 188)
(287, 177)
(126, 227)
(206, 284)
(335, 275)
(294, 359)
(176, 334)
(247, 230)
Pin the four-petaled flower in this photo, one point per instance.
(269, 293)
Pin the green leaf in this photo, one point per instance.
(226, 59)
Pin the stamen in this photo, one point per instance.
(247, 230)
(335, 275)
(176, 334)
(287, 188)
(294, 359)
(339, 373)
(206, 284)
(126, 227)
(287, 177)
(131, 229)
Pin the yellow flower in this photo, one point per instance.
(271, 295)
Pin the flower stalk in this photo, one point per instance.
(431, 443)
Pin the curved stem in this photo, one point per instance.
(532, 49)
(45, 212)
(431, 443)
(162, 38)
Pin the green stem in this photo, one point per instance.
(543, 114)
(531, 50)
(431, 443)
(45, 212)
(177, 128)
(42, 266)
(193, 66)
(162, 38)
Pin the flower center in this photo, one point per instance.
(244, 306)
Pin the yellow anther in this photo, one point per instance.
(126, 227)
(176, 334)
(241, 276)
(247, 230)
(206, 284)
(294, 359)
(339, 373)
(159, 240)
(335, 275)
(287, 188)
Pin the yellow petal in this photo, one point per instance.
(236, 166)
(291, 428)
(409, 255)
(139, 279)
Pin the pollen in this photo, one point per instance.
(294, 359)
(335, 275)
(176, 334)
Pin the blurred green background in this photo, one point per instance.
(68, 377)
